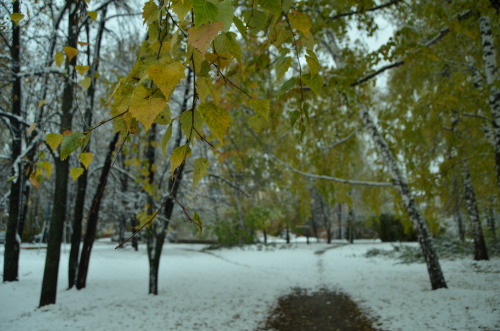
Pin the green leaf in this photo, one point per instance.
(287, 86)
(53, 140)
(273, 6)
(315, 82)
(300, 21)
(261, 107)
(294, 116)
(70, 143)
(204, 11)
(216, 117)
(225, 14)
(232, 45)
(59, 58)
(257, 123)
(149, 11)
(179, 155)
(240, 26)
(166, 138)
(164, 117)
(197, 220)
(85, 83)
(86, 159)
(282, 66)
(312, 61)
(181, 8)
(187, 122)
(200, 167)
(75, 173)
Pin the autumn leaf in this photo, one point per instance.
(86, 159)
(75, 173)
(82, 69)
(71, 52)
(31, 128)
(197, 220)
(200, 37)
(53, 140)
(315, 82)
(216, 117)
(85, 83)
(300, 21)
(92, 15)
(16, 17)
(181, 8)
(144, 107)
(41, 103)
(261, 107)
(257, 123)
(166, 138)
(36, 177)
(187, 121)
(166, 77)
(179, 155)
(200, 167)
(47, 166)
(59, 58)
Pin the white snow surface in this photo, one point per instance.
(235, 289)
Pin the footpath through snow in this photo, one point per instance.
(235, 289)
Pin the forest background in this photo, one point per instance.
(225, 119)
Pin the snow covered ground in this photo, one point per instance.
(234, 289)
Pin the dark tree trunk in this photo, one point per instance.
(76, 235)
(93, 217)
(480, 251)
(12, 246)
(50, 276)
(401, 183)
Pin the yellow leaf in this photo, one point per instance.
(71, 52)
(31, 128)
(92, 15)
(86, 159)
(85, 83)
(82, 69)
(216, 117)
(75, 173)
(191, 120)
(53, 140)
(35, 178)
(167, 77)
(144, 108)
(82, 43)
(41, 103)
(200, 167)
(201, 36)
(300, 21)
(59, 58)
(47, 166)
(179, 155)
(257, 123)
(261, 107)
(16, 17)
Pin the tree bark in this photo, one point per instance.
(12, 246)
(480, 250)
(76, 235)
(50, 276)
(491, 73)
(93, 217)
(401, 183)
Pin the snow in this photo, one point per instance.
(234, 289)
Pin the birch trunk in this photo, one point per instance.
(491, 73)
(480, 251)
(401, 183)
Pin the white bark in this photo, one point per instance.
(491, 73)
(401, 183)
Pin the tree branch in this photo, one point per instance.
(355, 12)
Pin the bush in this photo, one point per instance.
(391, 229)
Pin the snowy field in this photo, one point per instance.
(234, 289)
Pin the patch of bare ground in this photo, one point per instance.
(323, 310)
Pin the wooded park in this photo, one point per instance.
(221, 126)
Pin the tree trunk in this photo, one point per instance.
(480, 251)
(12, 246)
(401, 183)
(50, 276)
(93, 217)
(491, 71)
(76, 235)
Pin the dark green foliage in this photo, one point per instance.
(390, 228)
